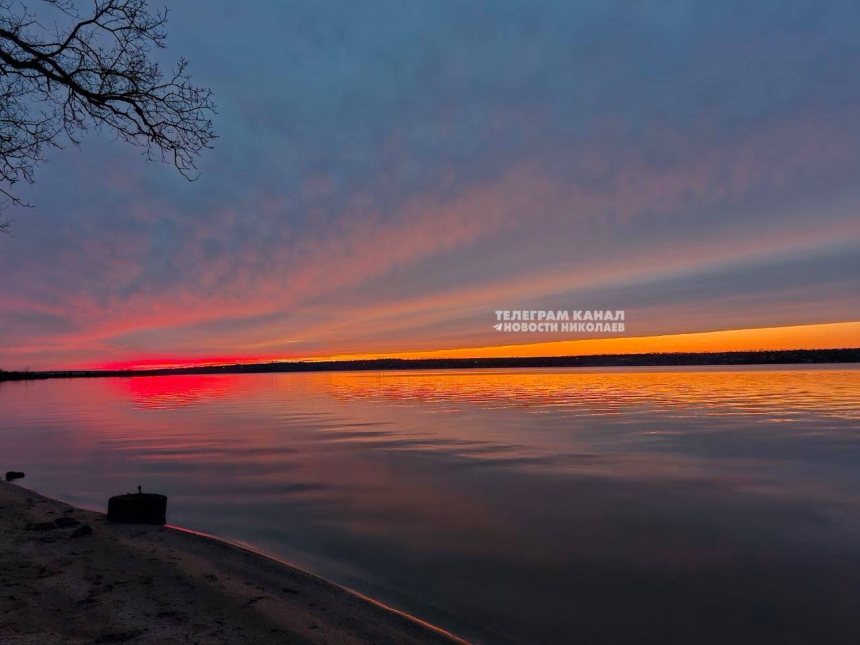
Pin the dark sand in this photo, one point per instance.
(149, 584)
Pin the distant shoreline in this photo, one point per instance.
(675, 359)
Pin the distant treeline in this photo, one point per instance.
(783, 357)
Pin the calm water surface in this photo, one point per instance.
(532, 507)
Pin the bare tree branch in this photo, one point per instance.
(93, 71)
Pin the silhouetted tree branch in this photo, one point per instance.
(93, 70)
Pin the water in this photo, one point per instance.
(510, 506)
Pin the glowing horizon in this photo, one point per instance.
(825, 336)
(845, 335)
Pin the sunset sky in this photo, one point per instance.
(389, 174)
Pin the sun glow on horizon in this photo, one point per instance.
(819, 336)
(157, 363)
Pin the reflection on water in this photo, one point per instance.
(698, 506)
(156, 392)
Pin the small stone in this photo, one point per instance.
(81, 531)
(41, 526)
(66, 522)
(13, 474)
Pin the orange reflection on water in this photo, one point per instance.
(772, 391)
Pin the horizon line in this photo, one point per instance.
(646, 359)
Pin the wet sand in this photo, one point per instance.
(125, 583)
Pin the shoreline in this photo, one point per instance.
(141, 584)
(848, 355)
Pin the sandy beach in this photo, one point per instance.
(123, 583)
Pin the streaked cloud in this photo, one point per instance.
(390, 174)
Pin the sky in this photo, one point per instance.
(390, 174)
